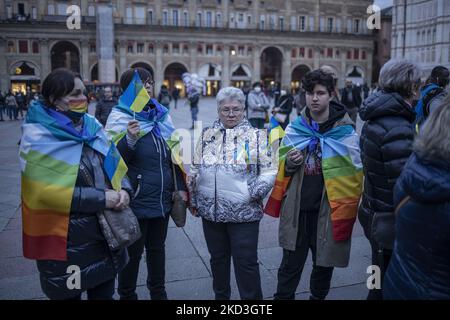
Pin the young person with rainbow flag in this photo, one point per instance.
(143, 131)
(70, 172)
(317, 189)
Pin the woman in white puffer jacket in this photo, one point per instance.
(231, 175)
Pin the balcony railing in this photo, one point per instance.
(157, 24)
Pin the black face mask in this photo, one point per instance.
(74, 116)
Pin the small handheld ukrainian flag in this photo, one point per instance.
(135, 96)
(275, 130)
(115, 167)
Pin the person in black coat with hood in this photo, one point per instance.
(386, 144)
(420, 264)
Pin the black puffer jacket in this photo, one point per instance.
(386, 143)
(86, 245)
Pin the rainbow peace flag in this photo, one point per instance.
(50, 152)
(341, 167)
(135, 96)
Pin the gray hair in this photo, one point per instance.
(433, 138)
(401, 76)
(230, 94)
(329, 70)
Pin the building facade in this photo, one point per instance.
(427, 36)
(382, 43)
(224, 41)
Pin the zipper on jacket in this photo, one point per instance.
(158, 149)
(138, 188)
(162, 182)
(215, 192)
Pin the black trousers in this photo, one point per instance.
(292, 264)
(104, 291)
(240, 241)
(154, 233)
(380, 258)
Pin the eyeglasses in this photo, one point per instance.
(148, 83)
(227, 112)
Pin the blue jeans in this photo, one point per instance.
(194, 112)
(11, 112)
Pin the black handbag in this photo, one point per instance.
(178, 212)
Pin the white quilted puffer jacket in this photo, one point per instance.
(232, 173)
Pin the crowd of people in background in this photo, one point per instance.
(272, 100)
(14, 104)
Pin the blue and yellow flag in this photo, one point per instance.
(135, 96)
(115, 167)
(275, 130)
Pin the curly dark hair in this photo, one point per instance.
(318, 77)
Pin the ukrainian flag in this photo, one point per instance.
(275, 130)
(244, 152)
(135, 96)
(115, 167)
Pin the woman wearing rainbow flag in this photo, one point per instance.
(317, 189)
(143, 131)
(70, 172)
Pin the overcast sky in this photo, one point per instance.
(383, 3)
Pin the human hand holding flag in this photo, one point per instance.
(135, 96)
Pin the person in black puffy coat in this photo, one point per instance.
(420, 263)
(386, 143)
(86, 245)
